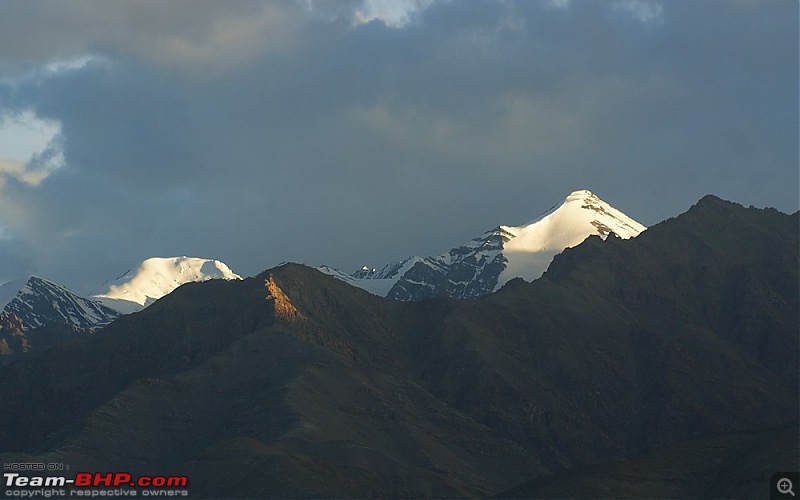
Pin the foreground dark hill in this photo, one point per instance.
(293, 383)
(721, 466)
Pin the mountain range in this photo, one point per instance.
(659, 366)
(471, 270)
(484, 264)
(37, 302)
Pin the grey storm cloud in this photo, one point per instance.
(184, 33)
(257, 132)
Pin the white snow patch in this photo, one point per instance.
(582, 214)
(375, 286)
(157, 277)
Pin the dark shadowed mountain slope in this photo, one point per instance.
(36, 314)
(729, 271)
(294, 383)
(722, 466)
(17, 342)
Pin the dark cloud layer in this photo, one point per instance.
(284, 131)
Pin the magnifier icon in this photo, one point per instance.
(785, 486)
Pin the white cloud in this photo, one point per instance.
(19, 171)
(44, 70)
(392, 13)
(30, 148)
(70, 64)
(24, 134)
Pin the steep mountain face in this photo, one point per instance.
(294, 384)
(38, 314)
(484, 264)
(37, 302)
(376, 281)
(469, 271)
(157, 277)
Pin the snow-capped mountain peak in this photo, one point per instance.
(157, 277)
(582, 214)
(37, 302)
(486, 263)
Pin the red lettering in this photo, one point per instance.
(83, 479)
(121, 478)
(177, 481)
(103, 480)
(117, 479)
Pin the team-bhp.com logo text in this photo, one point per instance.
(94, 484)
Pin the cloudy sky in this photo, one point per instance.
(362, 132)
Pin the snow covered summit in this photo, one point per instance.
(486, 263)
(38, 302)
(531, 247)
(157, 277)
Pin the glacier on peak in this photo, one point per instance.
(157, 277)
(533, 245)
